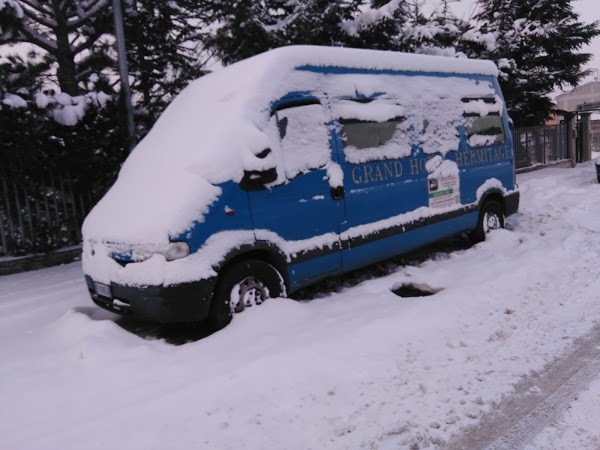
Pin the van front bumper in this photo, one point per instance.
(187, 302)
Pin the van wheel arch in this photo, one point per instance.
(493, 195)
(261, 251)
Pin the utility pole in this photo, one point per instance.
(123, 71)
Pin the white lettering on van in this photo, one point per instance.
(482, 156)
(374, 172)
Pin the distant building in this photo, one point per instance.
(586, 93)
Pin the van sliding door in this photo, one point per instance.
(384, 177)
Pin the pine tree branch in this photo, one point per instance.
(38, 39)
(92, 9)
(74, 38)
(38, 17)
(91, 40)
(35, 5)
(80, 10)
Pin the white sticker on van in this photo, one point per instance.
(443, 192)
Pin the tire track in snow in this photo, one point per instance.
(536, 401)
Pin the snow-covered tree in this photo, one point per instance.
(537, 49)
(64, 29)
(245, 28)
(401, 25)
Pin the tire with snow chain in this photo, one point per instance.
(242, 285)
(491, 217)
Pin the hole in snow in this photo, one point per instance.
(414, 290)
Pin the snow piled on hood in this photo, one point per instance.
(213, 131)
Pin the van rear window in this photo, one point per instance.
(483, 121)
(484, 130)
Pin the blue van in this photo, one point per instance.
(295, 165)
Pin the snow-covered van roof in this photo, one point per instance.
(214, 128)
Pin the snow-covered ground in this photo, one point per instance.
(356, 368)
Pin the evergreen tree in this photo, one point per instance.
(380, 26)
(317, 22)
(242, 28)
(537, 50)
(163, 50)
(11, 15)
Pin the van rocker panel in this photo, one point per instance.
(186, 302)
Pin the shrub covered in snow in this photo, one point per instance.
(46, 142)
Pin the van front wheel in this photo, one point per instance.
(491, 217)
(241, 285)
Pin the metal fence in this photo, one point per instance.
(40, 209)
(536, 146)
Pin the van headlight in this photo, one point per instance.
(177, 250)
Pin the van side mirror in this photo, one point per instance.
(255, 180)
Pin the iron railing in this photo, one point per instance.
(40, 209)
(536, 146)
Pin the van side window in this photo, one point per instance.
(369, 140)
(373, 129)
(304, 138)
(483, 122)
(368, 134)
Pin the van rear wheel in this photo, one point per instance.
(242, 285)
(491, 217)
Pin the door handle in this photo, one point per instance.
(337, 193)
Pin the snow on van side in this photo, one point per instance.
(214, 129)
